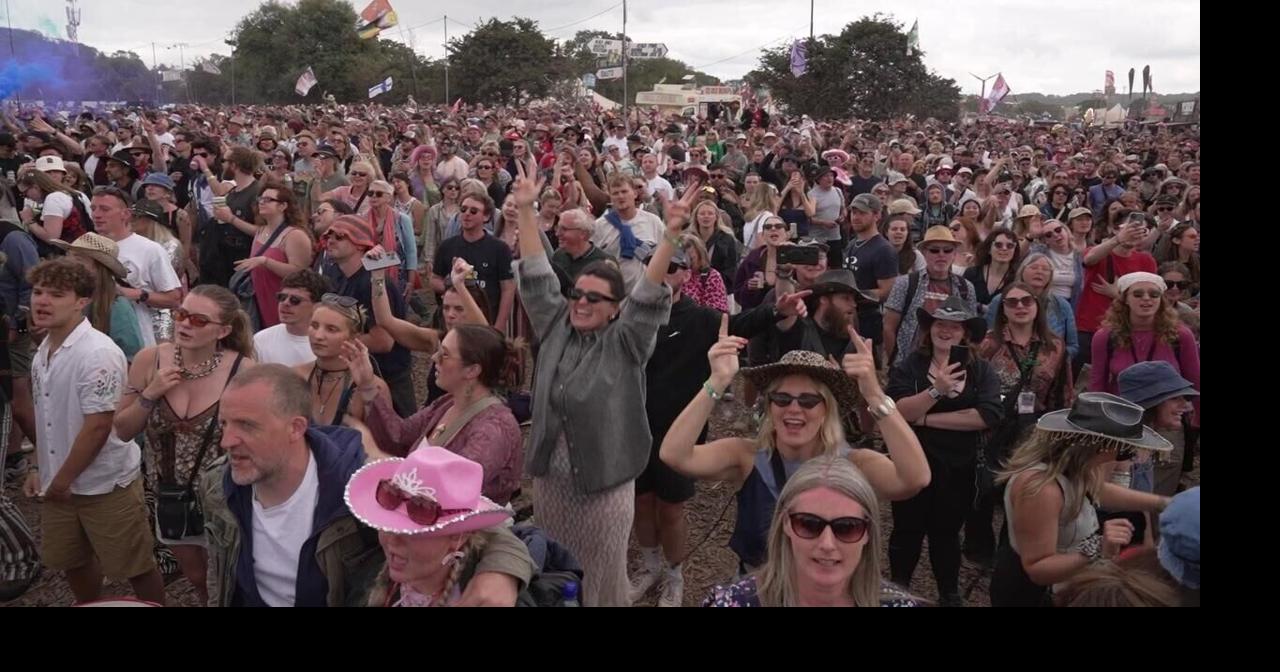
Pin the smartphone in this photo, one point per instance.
(1136, 218)
(385, 261)
(801, 255)
(959, 355)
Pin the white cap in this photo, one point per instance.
(47, 164)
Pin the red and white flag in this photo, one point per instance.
(998, 92)
(305, 82)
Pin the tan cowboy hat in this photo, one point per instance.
(98, 248)
(938, 234)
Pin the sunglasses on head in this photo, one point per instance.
(1015, 301)
(591, 297)
(1146, 293)
(293, 299)
(807, 400)
(1178, 284)
(849, 530)
(339, 300)
(422, 510)
(194, 319)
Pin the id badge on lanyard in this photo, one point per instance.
(1026, 403)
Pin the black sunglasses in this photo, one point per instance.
(1014, 301)
(472, 210)
(673, 267)
(592, 298)
(1178, 284)
(849, 530)
(293, 299)
(806, 400)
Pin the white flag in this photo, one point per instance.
(209, 67)
(998, 92)
(305, 81)
(380, 88)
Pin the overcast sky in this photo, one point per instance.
(1037, 45)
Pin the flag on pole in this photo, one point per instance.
(380, 88)
(305, 81)
(799, 58)
(913, 37)
(210, 67)
(1130, 83)
(457, 105)
(998, 92)
(1110, 87)
(375, 18)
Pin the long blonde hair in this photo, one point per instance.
(831, 434)
(471, 549)
(695, 228)
(1062, 454)
(776, 579)
(761, 199)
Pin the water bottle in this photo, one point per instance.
(570, 594)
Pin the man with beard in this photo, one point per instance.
(833, 308)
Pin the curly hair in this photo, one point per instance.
(63, 274)
(1117, 322)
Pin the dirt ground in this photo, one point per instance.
(710, 515)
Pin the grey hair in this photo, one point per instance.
(290, 395)
(576, 218)
(1030, 258)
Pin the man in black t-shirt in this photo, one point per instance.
(864, 181)
(347, 240)
(490, 257)
(873, 262)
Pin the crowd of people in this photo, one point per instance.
(211, 316)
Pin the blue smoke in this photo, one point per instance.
(16, 76)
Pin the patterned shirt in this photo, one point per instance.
(84, 376)
(707, 289)
(743, 594)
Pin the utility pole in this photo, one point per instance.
(626, 118)
(182, 67)
(811, 22)
(446, 59)
(155, 65)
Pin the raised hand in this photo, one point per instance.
(860, 364)
(723, 356)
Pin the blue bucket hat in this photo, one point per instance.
(160, 180)
(1147, 384)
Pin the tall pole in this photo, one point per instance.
(156, 66)
(13, 51)
(182, 65)
(982, 96)
(626, 118)
(446, 59)
(811, 22)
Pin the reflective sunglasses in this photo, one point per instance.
(421, 510)
(1015, 301)
(194, 319)
(807, 400)
(591, 297)
(293, 299)
(849, 530)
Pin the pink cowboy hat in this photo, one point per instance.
(836, 153)
(432, 475)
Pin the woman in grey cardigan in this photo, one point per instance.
(590, 437)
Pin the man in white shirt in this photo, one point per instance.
(288, 343)
(617, 138)
(655, 183)
(645, 227)
(93, 517)
(153, 282)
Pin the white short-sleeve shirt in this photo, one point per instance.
(149, 268)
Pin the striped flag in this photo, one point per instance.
(998, 92)
(305, 81)
(380, 88)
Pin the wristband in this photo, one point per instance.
(711, 391)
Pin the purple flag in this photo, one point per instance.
(799, 58)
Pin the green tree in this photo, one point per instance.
(865, 71)
(503, 62)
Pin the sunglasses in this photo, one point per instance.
(673, 268)
(939, 250)
(472, 210)
(1057, 230)
(194, 319)
(203, 155)
(592, 297)
(484, 167)
(421, 510)
(1015, 301)
(806, 400)
(1178, 284)
(1164, 209)
(848, 530)
(339, 300)
(293, 299)
(452, 187)
(1004, 246)
(358, 173)
(380, 193)
(268, 199)
(1146, 293)
(773, 227)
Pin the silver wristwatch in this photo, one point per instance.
(884, 409)
(934, 393)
